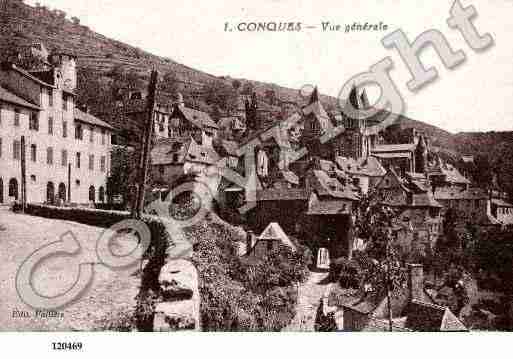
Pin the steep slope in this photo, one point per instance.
(22, 24)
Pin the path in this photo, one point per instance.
(112, 292)
(309, 296)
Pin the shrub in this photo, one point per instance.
(350, 275)
(242, 293)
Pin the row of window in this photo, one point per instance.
(504, 210)
(49, 94)
(79, 130)
(16, 148)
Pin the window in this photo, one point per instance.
(64, 158)
(103, 136)
(91, 193)
(161, 169)
(91, 134)
(0, 148)
(161, 122)
(476, 203)
(79, 132)
(16, 117)
(64, 129)
(34, 121)
(91, 162)
(49, 156)
(50, 98)
(33, 153)
(64, 102)
(50, 125)
(102, 164)
(78, 160)
(16, 149)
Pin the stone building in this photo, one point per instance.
(67, 150)
(412, 309)
(416, 206)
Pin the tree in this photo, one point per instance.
(382, 269)
(219, 93)
(170, 84)
(236, 84)
(248, 89)
(270, 96)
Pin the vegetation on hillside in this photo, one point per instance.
(243, 293)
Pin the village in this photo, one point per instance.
(316, 177)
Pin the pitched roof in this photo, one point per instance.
(274, 232)
(198, 118)
(162, 153)
(168, 151)
(448, 193)
(11, 98)
(327, 206)
(369, 166)
(431, 318)
(325, 185)
(453, 175)
(425, 200)
(398, 147)
(90, 119)
(29, 75)
(287, 194)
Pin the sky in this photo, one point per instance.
(476, 96)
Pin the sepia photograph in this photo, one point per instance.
(255, 166)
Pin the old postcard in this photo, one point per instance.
(261, 166)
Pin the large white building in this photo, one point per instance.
(67, 150)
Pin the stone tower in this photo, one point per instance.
(251, 112)
(66, 66)
(421, 153)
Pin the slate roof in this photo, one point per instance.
(11, 98)
(399, 147)
(30, 76)
(325, 185)
(453, 175)
(366, 166)
(187, 150)
(431, 318)
(198, 118)
(90, 119)
(448, 193)
(274, 232)
(287, 194)
(327, 206)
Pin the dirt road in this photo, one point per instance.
(111, 291)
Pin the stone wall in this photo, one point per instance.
(179, 307)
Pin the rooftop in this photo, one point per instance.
(90, 119)
(11, 98)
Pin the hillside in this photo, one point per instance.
(22, 25)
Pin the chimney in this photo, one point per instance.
(415, 281)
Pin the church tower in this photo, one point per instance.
(251, 112)
(421, 152)
(355, 144)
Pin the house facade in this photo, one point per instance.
(67, 150)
